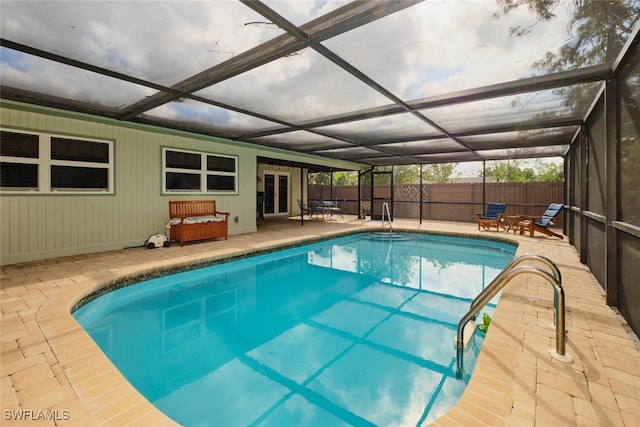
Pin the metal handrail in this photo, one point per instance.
(500, 282)
(385, 206)
(519, 260)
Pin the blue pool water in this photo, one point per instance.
(357, 330)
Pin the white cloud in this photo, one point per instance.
(438, 47)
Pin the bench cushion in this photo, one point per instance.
(197, 219)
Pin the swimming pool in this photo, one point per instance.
(357, 330)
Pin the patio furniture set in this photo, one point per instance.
(495, 217)
(317, 208)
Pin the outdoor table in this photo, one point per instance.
(510, 222)
(331, 208)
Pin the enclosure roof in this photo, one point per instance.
(378, 83)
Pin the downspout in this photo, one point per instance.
(484, 184)
(359, 195)
(331, 185)
(420, 210)
(302, 193)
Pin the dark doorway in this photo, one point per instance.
(381, 193)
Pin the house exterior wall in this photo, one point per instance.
(38, 226)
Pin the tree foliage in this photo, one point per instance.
(402, 174)
(405, 174)
(441, 173)
(434, 173)
(548, 172)
(601, 28)
(518, 171)
(339, 178)
(599, 31)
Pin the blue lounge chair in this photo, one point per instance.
(492, 217)
(541, 224)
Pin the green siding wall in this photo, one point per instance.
(37, 226)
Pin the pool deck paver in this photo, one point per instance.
(51, 372)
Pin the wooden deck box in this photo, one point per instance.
(197, 220)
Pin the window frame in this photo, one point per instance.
(202, 173)
(45, 162)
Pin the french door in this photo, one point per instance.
(276, 193)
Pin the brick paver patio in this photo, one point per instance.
(52, 373)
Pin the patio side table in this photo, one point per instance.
(510, 222)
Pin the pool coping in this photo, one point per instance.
(504, 388)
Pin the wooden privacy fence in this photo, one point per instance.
(450, 202)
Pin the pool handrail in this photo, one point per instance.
(519, 260)
(385, 208)
(500, 282)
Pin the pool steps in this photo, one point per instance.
(384, 235)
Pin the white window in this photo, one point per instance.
(196, 172)
(43, 163)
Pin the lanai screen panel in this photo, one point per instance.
(49, 78)
(162, 42)
(206, 117)
(437, 47)
(519, 139)
(629, 151)
(565, 104)
(462, 156)
(299, 12)
(435, 145)
(387, 128)
(524, 153)
(302, 141)
(296, 87)
(355, 74)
